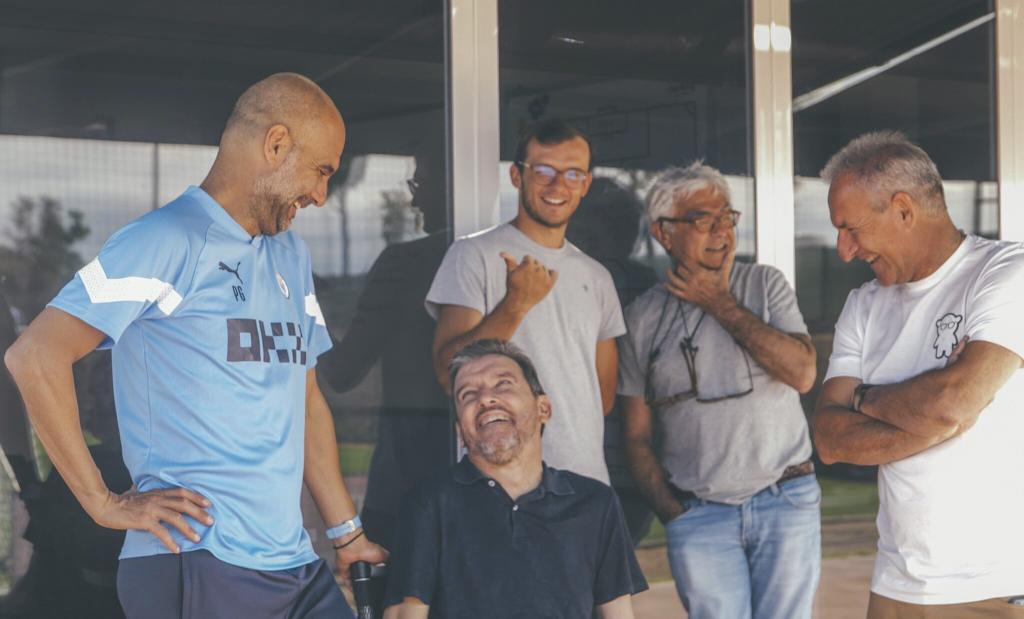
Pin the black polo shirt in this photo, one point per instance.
(464, 547)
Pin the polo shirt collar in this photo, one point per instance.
(552, 480)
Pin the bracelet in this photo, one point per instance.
(344, 528)
(340, 546)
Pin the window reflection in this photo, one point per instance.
(103, 117)
(658, 85)
(924, 68)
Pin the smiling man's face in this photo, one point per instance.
(684, 239)
(551, 205)
(868, 234)
(300, 180)
(498, 413)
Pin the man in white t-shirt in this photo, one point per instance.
(925, 380)
(523, 281)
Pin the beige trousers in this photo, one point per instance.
(997, 608)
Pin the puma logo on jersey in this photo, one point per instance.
(234, 271)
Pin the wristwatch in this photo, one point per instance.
(344, 528)
(858, 395)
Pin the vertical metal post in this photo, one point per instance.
(771, 43)
(1010, 116)
(475, 122)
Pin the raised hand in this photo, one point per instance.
(706, 288)
(155, 510)
(528, 282)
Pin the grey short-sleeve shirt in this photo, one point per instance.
(727, 450)
(560, 334)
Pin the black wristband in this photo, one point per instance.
(858, 395)
(340, 546)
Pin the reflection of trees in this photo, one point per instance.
(40, 258)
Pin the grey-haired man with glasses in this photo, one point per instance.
(713, 364)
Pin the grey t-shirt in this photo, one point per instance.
(727, 450)
(560, 334)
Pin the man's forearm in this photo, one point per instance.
(500, 324)
(785, 357)
(322, 471)
(48, 389)
(619, 608)
(844, 435)
(650, 478)
(945, 401)
(906, 406)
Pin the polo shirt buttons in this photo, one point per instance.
(515, 508)
(490, 482)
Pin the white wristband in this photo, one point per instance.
(344, 528)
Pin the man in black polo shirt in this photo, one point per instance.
(500, 534)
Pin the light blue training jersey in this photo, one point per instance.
(213, 332)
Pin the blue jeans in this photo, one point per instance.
(758, 560)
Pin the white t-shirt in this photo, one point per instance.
(560, 334)
(951, 519)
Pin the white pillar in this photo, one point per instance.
(771, 42)
(475, 137)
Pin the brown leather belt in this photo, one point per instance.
(791, 472)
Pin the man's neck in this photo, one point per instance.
(235, 203)
(540, 234)
(517, 477)
(947, 240)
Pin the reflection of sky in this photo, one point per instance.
(115, 182)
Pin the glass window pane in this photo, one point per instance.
(924, 68)
(654, 85)
(105, 115)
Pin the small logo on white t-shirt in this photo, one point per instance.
(283, 286)
(945, 335)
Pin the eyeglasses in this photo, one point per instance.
(546, 174)
(413, 185)
(690, 356)
(706, 223)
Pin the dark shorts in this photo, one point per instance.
(196, 585)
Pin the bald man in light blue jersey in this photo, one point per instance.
(209, 307)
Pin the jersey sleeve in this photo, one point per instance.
(783, 310)
(848, 345)
(143, 272)
(460, 280)
(997, 304)
(318, 339)
(612, 323)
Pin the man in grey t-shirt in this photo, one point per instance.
(522, 281)
(715, 359)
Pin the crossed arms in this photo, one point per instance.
(902, 419)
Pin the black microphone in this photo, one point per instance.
(360, 574)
